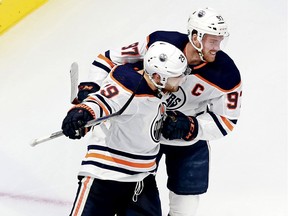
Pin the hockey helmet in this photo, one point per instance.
(206, 21)
(167, 61)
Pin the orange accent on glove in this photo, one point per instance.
(84, 106)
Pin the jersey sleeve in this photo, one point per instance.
(218, 120)
(104, 62)
(221, 116)
(214, 94)
(117, 89)
(109, 99)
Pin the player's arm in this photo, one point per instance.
(109, 99)
(218, 121)
(221, 117)
(104, 62)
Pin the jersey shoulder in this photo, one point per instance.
(173, 37)
(222, 72)
(128, 77)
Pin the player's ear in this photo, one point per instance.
(195, 40)
(157, 78)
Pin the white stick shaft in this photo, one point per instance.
(74, 74)
(46, 138)
(60, 133)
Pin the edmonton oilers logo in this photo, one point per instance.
(176, 99)
(158, 122)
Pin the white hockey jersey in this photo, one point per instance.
(216, 108)
(212, 93)
(128, 151)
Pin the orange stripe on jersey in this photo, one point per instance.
(200, 66)
(144, 95)
(227, 123)
(108, 61)
(100, 104)
(212, 84)
(80, 200)
(120, 161)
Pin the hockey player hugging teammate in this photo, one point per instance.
(112, 172)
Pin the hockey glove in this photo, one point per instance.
(75, 120)
(179, 126)
(85, 88)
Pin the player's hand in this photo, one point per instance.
(179, 126)
(85, 88)
(75, 120)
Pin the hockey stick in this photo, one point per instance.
(74, 74)
(92, 122)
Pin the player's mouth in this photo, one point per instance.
(213, 53)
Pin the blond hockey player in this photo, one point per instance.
(112, 172)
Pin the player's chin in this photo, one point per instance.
(210, 58)
(172, 88)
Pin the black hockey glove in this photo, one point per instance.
(85, 88)
(75, 120)
(179, 126)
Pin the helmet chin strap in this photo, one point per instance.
(160, 89)
(199, 50)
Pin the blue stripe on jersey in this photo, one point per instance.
(98, 64)
(223, 131)
(93, 101)
(128, 77)
(105, 166)
(125, 154)
(222, 72)
(104, 102)
(233, 120)
(176, 38)
(107, 54)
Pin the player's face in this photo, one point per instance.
(173, 83)
(211, 45)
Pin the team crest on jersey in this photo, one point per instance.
(176, 100)
(158, 122)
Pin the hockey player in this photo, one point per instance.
(210, 98)
(112, 173)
